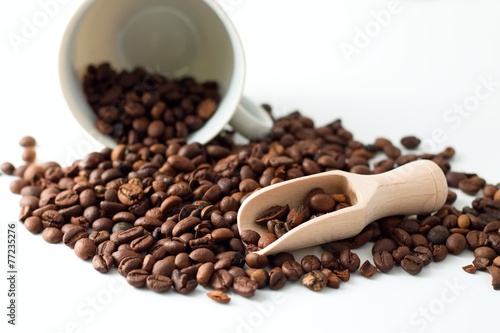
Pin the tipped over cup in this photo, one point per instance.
(191, 37)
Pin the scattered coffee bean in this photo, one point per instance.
(219, 296)
(164, 211)
(315, 280)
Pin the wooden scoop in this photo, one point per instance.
(418, 187)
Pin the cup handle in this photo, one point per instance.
(251, 120)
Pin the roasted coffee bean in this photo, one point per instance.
(259, 275)
(277, 279)
(255, 260)
(349, 260)
(29, 155)
(204, 273)
(102, 262)
(329, 261)
(138, 278)
(384, 244)
(52, 235)
(412, 264)
(485, 252)
(438, 235)
(315, 280)
(292, 270)
(182, 282)
(401, 237)
(423, 253)
(219, 296)
(128, 264)
(85, 248)
(266, 239)
(34, 224)
(383, 261)
(310, 263)
(495, 276)
(410, 142)
(439, 252)
(456, 243)
(221, 280)
(157, 282)
(73, 235)
(476, 238)
(367, 269)
(27, 141)
(245, 286)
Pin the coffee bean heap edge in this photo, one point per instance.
(164, 215)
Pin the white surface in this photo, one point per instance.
(430, 57)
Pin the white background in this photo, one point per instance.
(406, 78)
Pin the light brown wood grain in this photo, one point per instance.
(415, 188)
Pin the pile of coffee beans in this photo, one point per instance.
(280, 219)
(163, 212)
(135, 105)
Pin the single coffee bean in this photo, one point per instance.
(485, 252)
(424, 253)
(495, 276)
(349, 260)
(137, 278)
(315, 280)
(244, 286)
(367, 269)
(266, 239)
(85, 248)
(412, 264)
(219, 296)
(383, 261)
(400, 253)
(158, 283)
(292, 270)
(73, 235)
(438, 235)
(456, 243)
(27, 141)
(277, 279)
(102, 262)
(255, 260)
(34, 224)
(128, 264)
(52, 235)
(439, 252)
(310, 263)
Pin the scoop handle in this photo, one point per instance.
(418, 187)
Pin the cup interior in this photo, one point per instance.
(174, 38)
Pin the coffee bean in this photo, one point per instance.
(456, 243)
(277, 278)
(138, 278)
(245, 286)
(52, 235)
(102, 262)
(315, 280)
(438, 235)
(310, 263)
(73, 235)
(367, 269)
(34, 224)
(423, 253)
(155, 282)
(85, 248)
(29, 155)
(349, 260)
(412, 264)
(27, 141)
(495, 276)
(219, 296)
(410, 142)
(383, 261)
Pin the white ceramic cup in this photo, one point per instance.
(172, 37)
